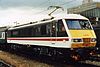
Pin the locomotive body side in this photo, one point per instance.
(63, 36)
(48, 34)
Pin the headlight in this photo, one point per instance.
(93, 39)
(76, 40)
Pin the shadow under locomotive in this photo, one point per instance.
(97, 32)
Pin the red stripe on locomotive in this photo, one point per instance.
(40, 39)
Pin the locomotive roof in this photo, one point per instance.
(2, 29)
(67, 16)
(71, 16)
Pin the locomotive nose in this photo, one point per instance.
(83, 42)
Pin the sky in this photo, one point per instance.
(25, 11)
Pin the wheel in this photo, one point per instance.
(75, 57)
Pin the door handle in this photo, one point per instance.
(53, 43)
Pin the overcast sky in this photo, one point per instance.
(24, 11)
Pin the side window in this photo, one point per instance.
(27, 32)
(8, 33)
(15, 33)
(43, 30)
(38, 31)
(33, 31)
(48, 28)
(21, 31)
(61, 31)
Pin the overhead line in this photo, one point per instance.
(66, 2)
(41, 5)
(40, 12)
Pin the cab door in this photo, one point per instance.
(53, 34)
(59, 33)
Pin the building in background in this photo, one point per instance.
(88, 9)
(87, 1)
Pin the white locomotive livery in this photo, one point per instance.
(58, 35)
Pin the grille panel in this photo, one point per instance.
(86, 39)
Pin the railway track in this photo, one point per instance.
(3, 64)
(46, 61)
(95, 58)
(92, 60)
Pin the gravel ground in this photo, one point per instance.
(17, 61)
(93, 62)
(20, 61)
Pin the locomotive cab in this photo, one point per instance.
(76, 31)
(82, 33)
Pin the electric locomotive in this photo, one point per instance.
(61, 36)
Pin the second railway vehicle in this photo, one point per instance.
(97, 32)
(65, 36)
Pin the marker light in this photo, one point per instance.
(76, 40)
(93, 39)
